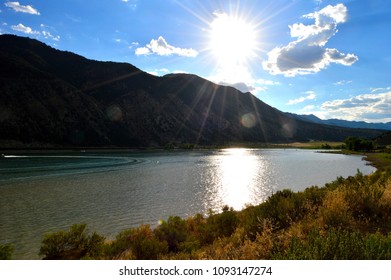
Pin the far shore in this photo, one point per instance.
(301, 145)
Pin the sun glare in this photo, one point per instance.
(232, 39)
(239, 169)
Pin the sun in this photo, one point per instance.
(232, 39)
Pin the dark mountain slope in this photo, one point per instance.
(59, 98)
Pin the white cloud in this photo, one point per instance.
(241, 79)
(165, 71)
(161, 47)
(25, 29)
(142, 51)
(48, 35)
(39, 34)
(246, 83)
(180, 72)
(159, 72)
(154, 73)
(380, 89)
(237, 76)
(342, 83)
(368, 107)
(17, 7)
(267, 82)
(132, 3)
(310, 96)
(307, 54)
(134, 44)
(308, 108)
(241, 86)
(316, 111)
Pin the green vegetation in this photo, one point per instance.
(311, 145)
(6, 252)
(338, 244)
(346, 219)
(381, 160)
(358, 144)
(139, 243)
(71, 245)
(379, 155)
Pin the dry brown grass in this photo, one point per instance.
(386, 198)
(335, 211)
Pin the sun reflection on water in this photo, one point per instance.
(239, 172)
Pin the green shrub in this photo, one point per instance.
(335, 184)
(325, 146)
(222, 224)
(336, 244)
(196, 234)
(363, 196)
(173, 232)
(139, 243)
(377, 247)
(6, 252)
(285, 207)
(281, 209)
(314, 195)
(250, 220)
(71, 245)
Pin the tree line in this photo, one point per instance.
(359, 144)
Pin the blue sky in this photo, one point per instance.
(323, 57)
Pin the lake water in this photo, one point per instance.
(113, 191)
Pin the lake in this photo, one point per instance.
(115, 190)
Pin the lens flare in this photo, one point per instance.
(248, 120)
(114, 113)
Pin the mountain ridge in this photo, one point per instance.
(343, 123)
(53, 97)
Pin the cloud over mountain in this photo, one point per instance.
(17, 7)
(365, 106)
(28, 30)
(310, 96)
(307, 54)
(162, 48)
(24, 29)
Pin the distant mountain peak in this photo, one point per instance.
(343, 123)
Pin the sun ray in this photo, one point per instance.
(206, 116)
(233, 38)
